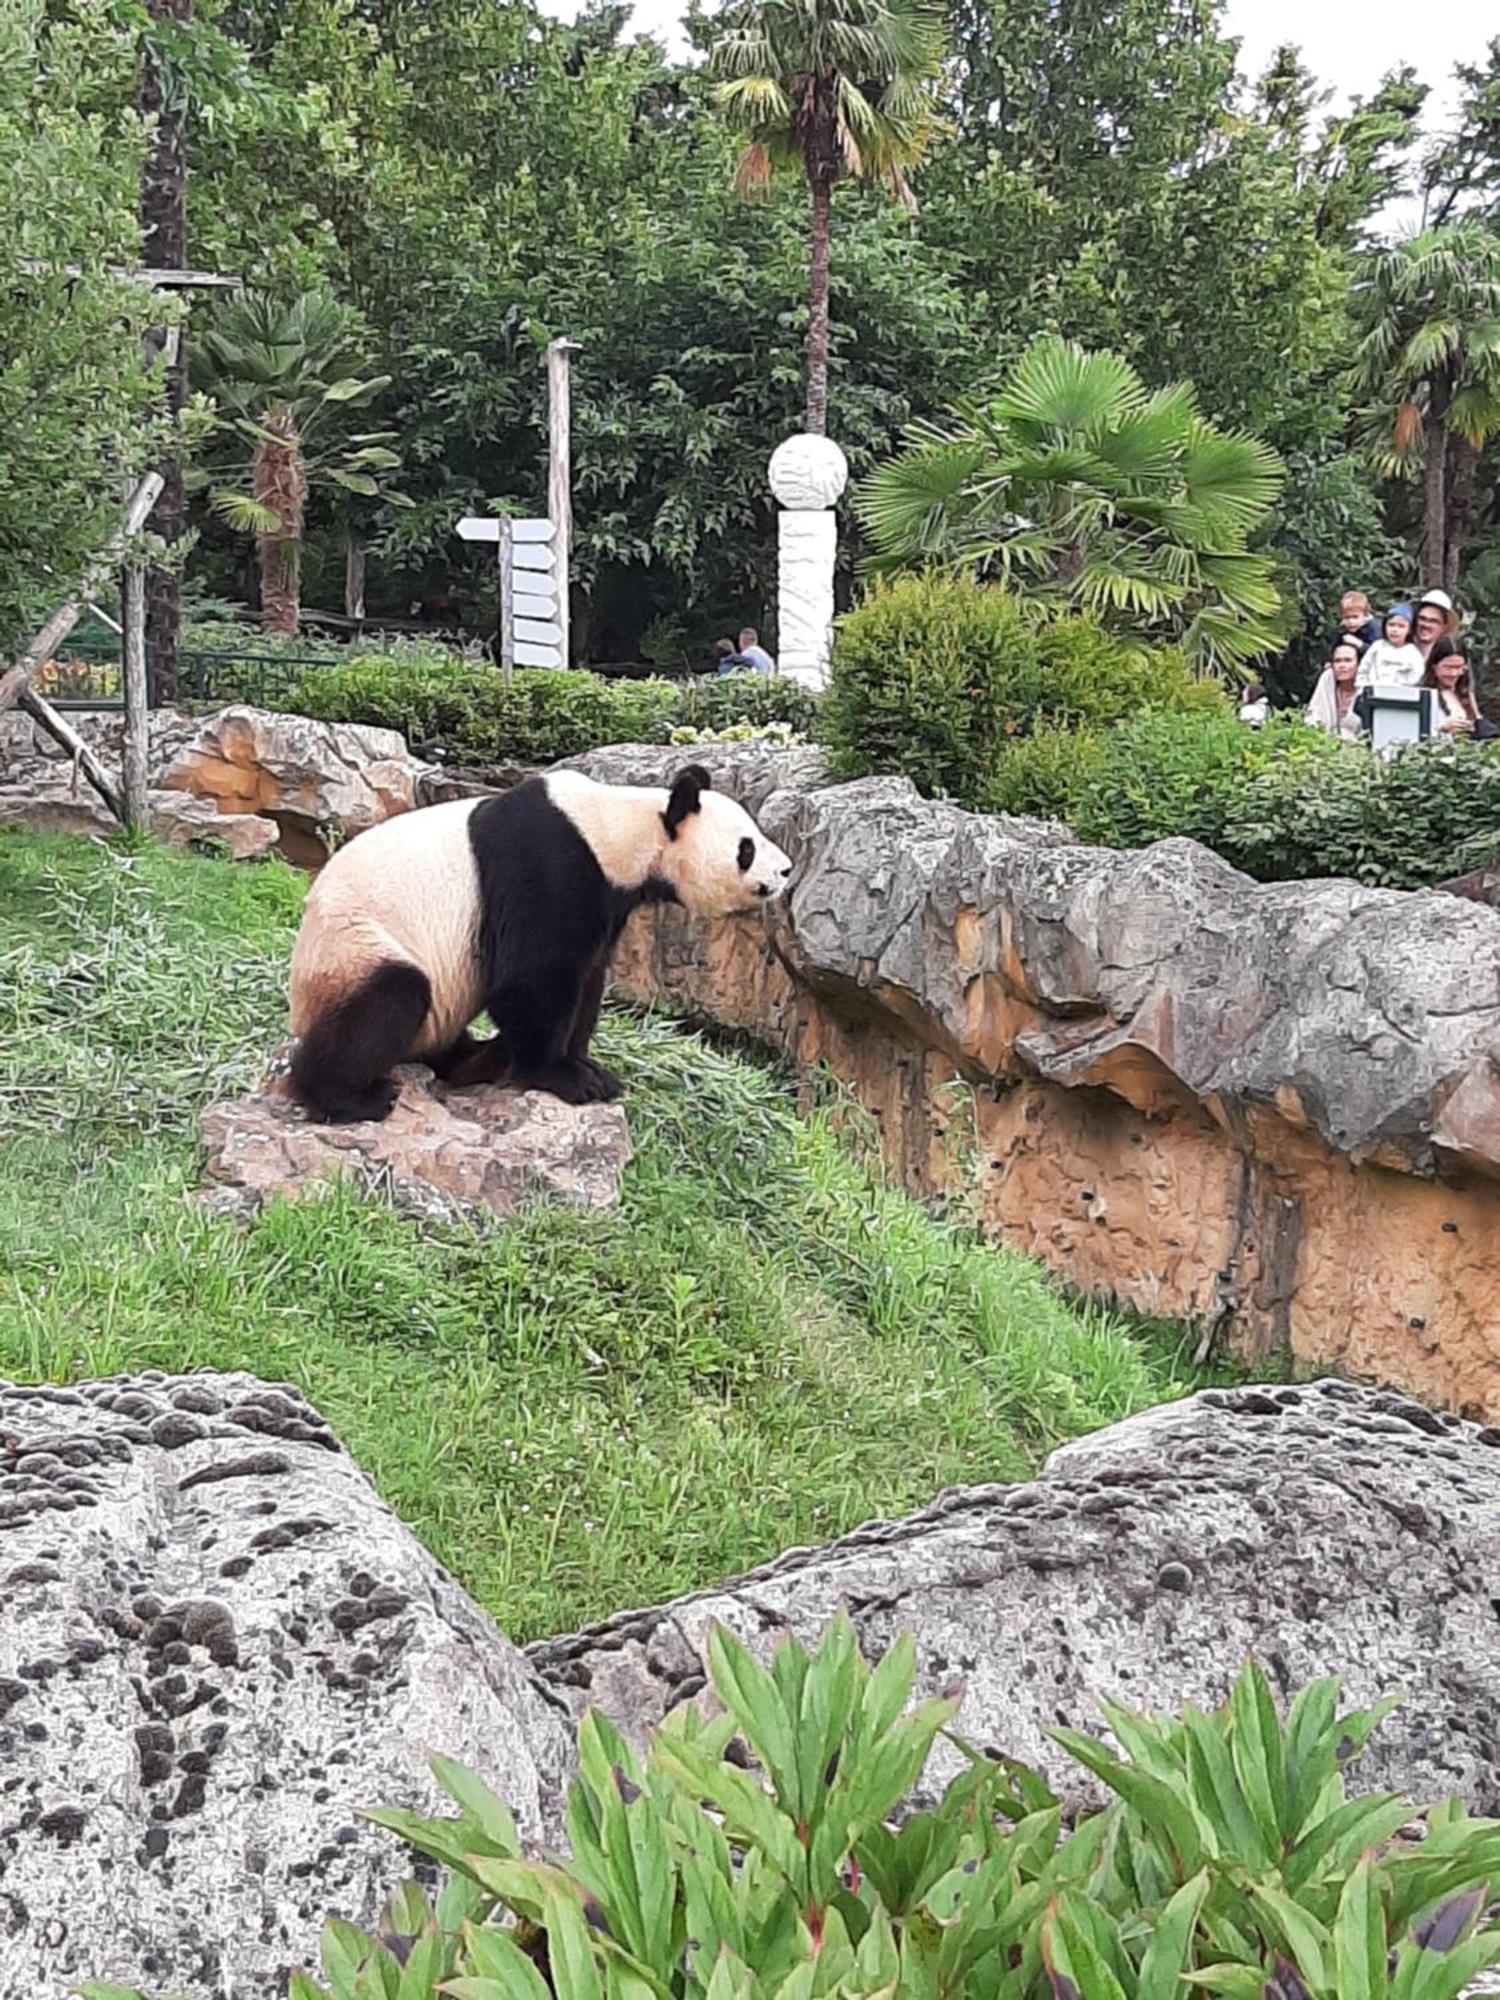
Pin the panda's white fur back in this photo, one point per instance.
(403, 891)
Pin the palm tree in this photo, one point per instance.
(1428, 370)
(832, 88)
(283, 374)
(1093, 493)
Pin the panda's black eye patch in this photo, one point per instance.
(747, 853)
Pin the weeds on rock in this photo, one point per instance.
(760, 1854)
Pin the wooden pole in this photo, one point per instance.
(135, 753)
(560, 476)
(16, 680)
(507, 603)
(62, 732)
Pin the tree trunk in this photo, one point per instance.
(281, 485)
(1462, 459)
(817, 308)
(354, 572)
(164, 246)
(1436, 446)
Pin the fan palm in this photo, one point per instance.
(1090, 491)
(1428, 371)
(833, 89)
(283, 373)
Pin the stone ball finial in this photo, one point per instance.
(808, 472)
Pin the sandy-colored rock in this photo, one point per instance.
(1271, 1109)
(45, 799)
(319, 781)
(218, 1644)
(441, 1151)
(1323, 1530)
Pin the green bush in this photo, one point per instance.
(1230, 1861)
(466, 708)
(1157, 776)
(936, 677)
(1428, 814)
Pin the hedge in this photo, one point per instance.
(1283, 803)
(936, 678)
(469, 712)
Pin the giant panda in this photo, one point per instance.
(512, 905)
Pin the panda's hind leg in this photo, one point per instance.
(341, 1066)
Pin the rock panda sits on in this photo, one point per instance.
(510, 905)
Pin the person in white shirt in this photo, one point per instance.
(1332, 705)
(1393, 660)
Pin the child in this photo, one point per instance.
(1393, 660)
(1255, 704)
(1355, 619)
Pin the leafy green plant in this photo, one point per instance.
(762, 1854)
(470, 712)
(1077, 483)
(937, 677)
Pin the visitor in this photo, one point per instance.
(1255, 704)
(1393, 661)
(1356, 620)
(1455, 712)
(1436, 619)
(754, 654)
(1332, 705)
(726, 659)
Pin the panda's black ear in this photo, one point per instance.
(687, 789)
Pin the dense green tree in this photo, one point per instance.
(1462, 171)
(1097, 495)
(835, 89)
(74, 389)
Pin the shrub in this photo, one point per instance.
(467, 709)
(1231, 1860)
(1157, 776)
(936, 677)
(1428, 814)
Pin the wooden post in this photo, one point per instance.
(560, 476)
(507, 603)
(14, 682)
(135, 756)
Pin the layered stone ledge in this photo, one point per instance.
(1270, 1109)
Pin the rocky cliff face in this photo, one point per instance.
(1272, 1109)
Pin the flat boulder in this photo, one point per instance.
(1322, 1529)
(441, 1152)
(217, 1643)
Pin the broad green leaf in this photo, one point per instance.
(1170, 1951)
(1158, 1805)
(478, 1803)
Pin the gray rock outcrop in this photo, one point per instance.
(216, 1645)
(1322, 1529)
(440, 1152)
(1271, 1109)
(749, 772)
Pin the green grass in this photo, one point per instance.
(576, 1413)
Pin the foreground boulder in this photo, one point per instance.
(1272, 1109)
(751, 772)
(216, 1645)
(440, 1152)
(1322, 1529)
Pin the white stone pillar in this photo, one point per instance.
(807, 476)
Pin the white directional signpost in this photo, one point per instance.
(531, 627)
